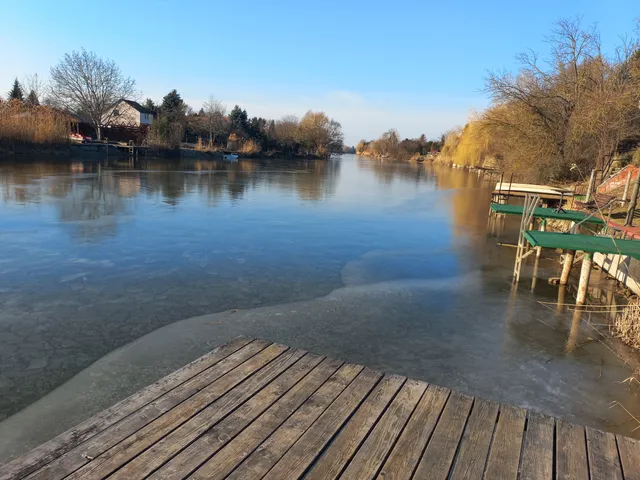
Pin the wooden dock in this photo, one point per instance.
(255, 409)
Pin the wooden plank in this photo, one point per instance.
(571, 452)
(504, 456)
(373, 452)
(474, 447)
(336, 456)
(629, 449)
(210, 381)
(603, 455)
(194, 441)
(260, 368)
(223, 462)
(308, 447)
(64, 442)
(271, 450)
(537, 451)
(407, 452)
(437, 457)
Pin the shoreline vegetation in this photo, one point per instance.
(559, 117)
(80, 101)
(389, 146)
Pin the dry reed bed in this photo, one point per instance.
(626, 325)
(24, 123)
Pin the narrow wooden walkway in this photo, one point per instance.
(254, 409)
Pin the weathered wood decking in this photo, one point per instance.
(253, 409)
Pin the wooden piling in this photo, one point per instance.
(569, 256)
(562, 291)
(585, 273)
(543, 227)
(576, 321)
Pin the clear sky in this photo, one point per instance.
(414, 65)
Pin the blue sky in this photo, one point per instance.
(417, 66)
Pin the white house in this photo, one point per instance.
(129, 113)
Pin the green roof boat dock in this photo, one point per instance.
(548, 213)
(533, 240)
(583, 243)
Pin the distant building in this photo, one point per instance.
(129, 114)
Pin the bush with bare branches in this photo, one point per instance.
(575, 108)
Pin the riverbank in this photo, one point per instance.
(90, 150)
(97, 150)
(415, 158)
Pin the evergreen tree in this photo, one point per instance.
(150, 105)
(16, 92)
(239, 120)
(170, 124)
(32, 99)
(173, 107)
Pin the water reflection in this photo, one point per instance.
(378, 263)
(34, 182)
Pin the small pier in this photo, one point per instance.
(550, 195)
(254, 409)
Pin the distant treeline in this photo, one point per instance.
(558, 118)
(389, 145)
(211, 128)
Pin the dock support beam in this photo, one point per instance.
(569, 256)
(543, 227)
(585, 273)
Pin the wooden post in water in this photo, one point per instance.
(561, 294)
(543, 227)
(585, 273)
(566, 268)
(572, 341)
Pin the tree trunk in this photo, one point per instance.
(632, 204)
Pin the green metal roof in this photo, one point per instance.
(570, 215)
(583, 243)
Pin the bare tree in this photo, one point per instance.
(34, 87)
(214, 111)
(575, 109)
(320, 135)
(286, 133)
(89, 86)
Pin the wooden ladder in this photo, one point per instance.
(531, 202)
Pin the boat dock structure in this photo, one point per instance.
(253, 409)
(503, 191)
(542, 213)
(532, 241)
